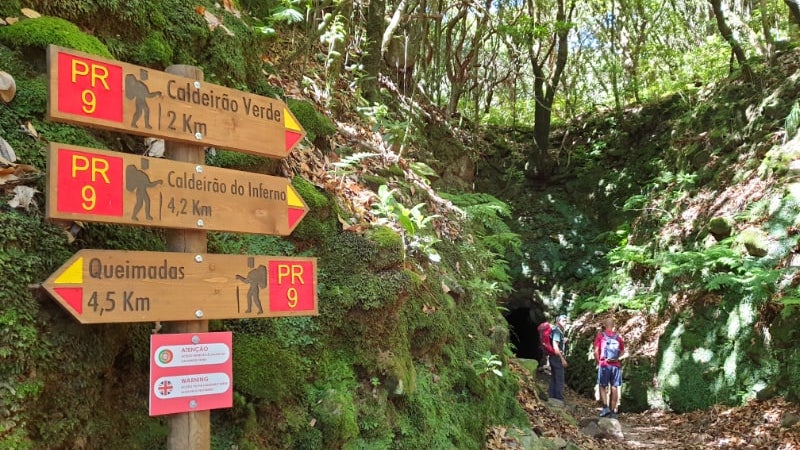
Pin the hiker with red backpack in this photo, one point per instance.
(608, 347)
(553, 345)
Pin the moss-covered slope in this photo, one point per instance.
(399, 357)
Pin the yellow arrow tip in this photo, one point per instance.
(73, 274)
(290, 122)
(292, 198)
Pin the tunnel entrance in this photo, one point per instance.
(523, 335)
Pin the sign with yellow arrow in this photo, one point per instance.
(89, 90)
(100, 186)
(108, 286)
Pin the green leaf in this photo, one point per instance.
(287, 15)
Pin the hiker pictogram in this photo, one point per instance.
(138, 90)
(137, 179)
(257, 279)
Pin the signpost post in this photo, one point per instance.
(86, 89)
(112, 286)
(93, 185)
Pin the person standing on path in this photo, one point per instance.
(608, 347)
(558, 362)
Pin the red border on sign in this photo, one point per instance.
(160, 406)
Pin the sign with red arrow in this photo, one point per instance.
(109, 286)
(99, 186)
(89, 90)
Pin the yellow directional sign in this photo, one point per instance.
(94, 185)
(107, 286)
(89, 90)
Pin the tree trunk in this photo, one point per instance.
(794, 10)
(539, 161)
(727, 34)
(373, 58)
(338, 47)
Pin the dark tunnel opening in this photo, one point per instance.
(523, 335)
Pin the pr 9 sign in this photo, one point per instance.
(98, 178)
(89, 88)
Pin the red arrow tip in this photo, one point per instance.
(295, 214)
(73, 297)
(292, 137)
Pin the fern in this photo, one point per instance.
(629, 254)
(635, 202)
(347, 165)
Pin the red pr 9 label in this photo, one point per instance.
(291, 286)
(89, 88)
(89, 183)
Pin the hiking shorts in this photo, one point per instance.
(609, 376)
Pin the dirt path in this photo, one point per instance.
(757, 425)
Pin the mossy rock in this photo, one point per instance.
(392, 171)
(398, 373)
(154, 51)
(531, 365)
(373, 181)
(264, 370)
(336, 417)
(39, 33)
(793, 377)
(389, 252)
(321, 222)
(313, 198)
(755, 242)
(639, 372)
(720, 227)
(315, 124)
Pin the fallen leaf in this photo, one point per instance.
(229, 6)
(23, 197)
(213, 21)
(155, 147)
(29, 130)
(7, 177)
(8, 87)
(7, 152)
(29, 13)
(345, 224)
(229, 32)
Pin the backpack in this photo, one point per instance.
(546, 338)
(610, 349)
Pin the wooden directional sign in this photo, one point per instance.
(93, 185)
(108, 286)
(89, 90)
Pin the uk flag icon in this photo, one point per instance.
(164, 388)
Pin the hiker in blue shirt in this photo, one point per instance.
(558, 361)
(608, 347)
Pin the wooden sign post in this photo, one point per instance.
(94, 185)
(186, 286)
(187, 431)
(114, 286)
(86, 89)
